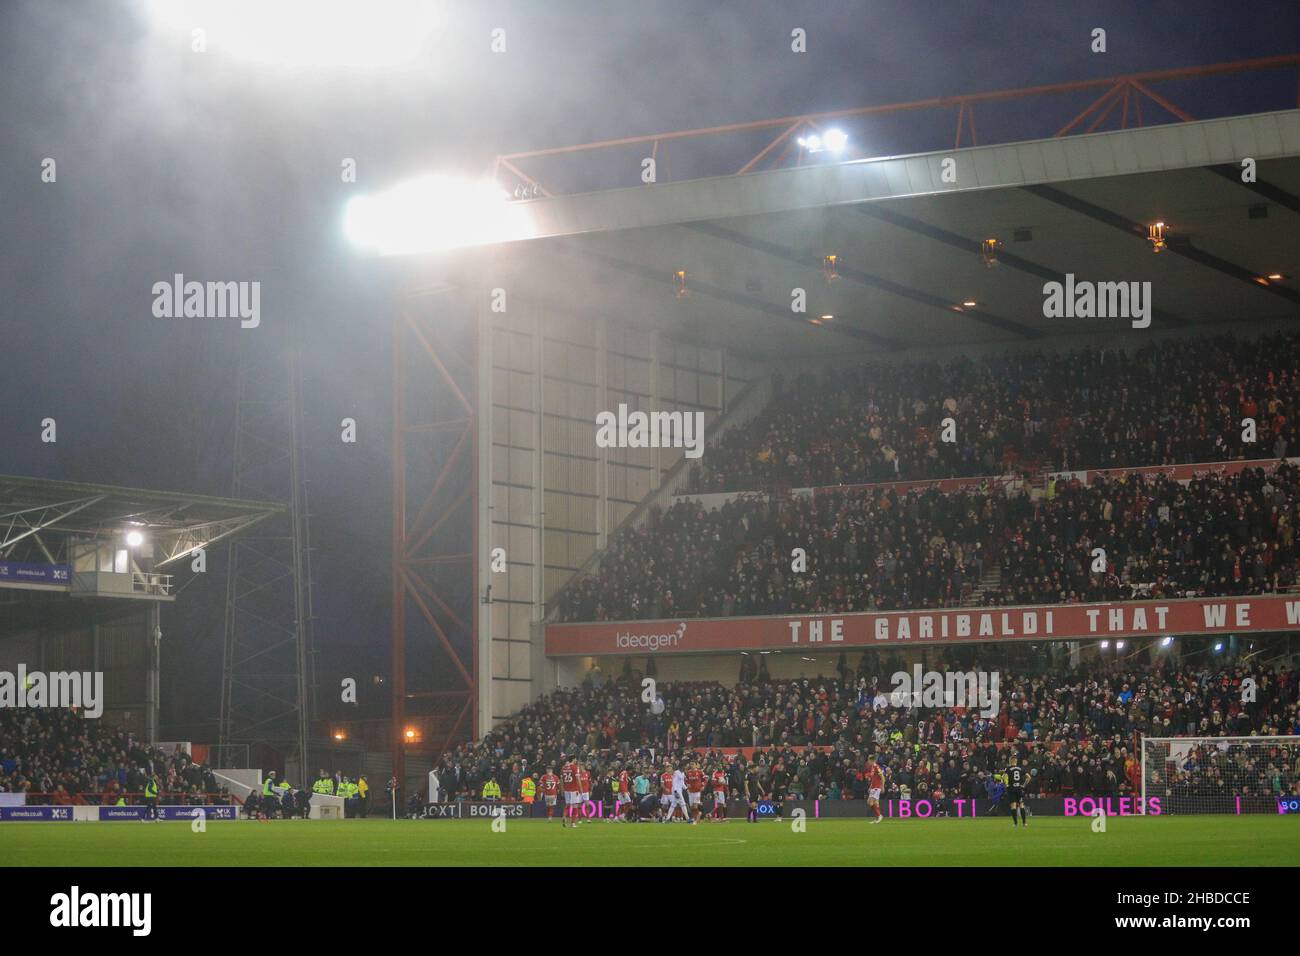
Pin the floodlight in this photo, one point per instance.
(835, 140)
(134, 539)
(433, 213)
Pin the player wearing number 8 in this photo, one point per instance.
(1016, 779)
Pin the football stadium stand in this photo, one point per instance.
(812, 737)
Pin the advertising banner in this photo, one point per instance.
(136, 812)
(968, 809)
(16, 572)
(1043, 622)
(36, 813)
(475, 809)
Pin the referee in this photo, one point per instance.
(1016, 777)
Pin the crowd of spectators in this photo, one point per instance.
(878, 549)
(1171, 402)
(1076, 732)
(68, 759)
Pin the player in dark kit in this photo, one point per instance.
(1016, 779)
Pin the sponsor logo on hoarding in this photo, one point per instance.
(468, 808)
(1112, 806)
(35, 813)
(34, 573)
(651, 642)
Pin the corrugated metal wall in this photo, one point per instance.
(563, 501)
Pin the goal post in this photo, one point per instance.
(1186, 775)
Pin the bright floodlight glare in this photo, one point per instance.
(1119, 645)
(1218, 647)
(835, 140)
(1166, 642)
(429, 214)
(134, 539)
(1105, 644)
(313, 33)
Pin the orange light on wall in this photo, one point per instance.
(830, 267)
(679, 284)
(411, 735)
(1157, 236)
(989, 251)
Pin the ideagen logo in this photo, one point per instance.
(652, 642)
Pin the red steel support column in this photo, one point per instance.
(434, 371)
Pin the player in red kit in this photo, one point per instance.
(694, 790)
(719, 782)
(569, 781)
(666, 793)
(550, 785)
(875, 783)
(584, 792)
(624, 798)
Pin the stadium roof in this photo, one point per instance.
(909, 244)
(176, 523)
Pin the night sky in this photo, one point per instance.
(171, 161)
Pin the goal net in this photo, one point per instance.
(1219, 774)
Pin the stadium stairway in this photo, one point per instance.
(990, 580)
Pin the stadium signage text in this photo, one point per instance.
(963, 808)
(58, 575)
(1059, 622)
(653, 642)
(42, 814)
(472, 809)
(1111, 806)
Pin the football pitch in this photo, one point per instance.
(1055, 841)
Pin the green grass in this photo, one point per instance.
(1055, 841)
